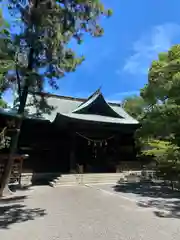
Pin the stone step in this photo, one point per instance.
(74, 179)
(89, 175)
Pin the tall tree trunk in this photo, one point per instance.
(14, 141)
(15, 138)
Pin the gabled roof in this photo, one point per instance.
(95, 109)
(96, 105)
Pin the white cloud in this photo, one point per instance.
(146, 49)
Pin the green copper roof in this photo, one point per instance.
(95, 108)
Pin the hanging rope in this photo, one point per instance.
(95, 141)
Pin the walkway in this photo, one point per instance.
(81, 213)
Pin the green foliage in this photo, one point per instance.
(135, 106)
(162, 118)
(160, 121)
(6, 53)
(3, 104)
(162, 94)
(47, 29)
(161, 150)
(167, 156)
(164, 78)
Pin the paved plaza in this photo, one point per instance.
(82, 213)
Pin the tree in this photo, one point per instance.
(135, 106)
(168, 159)
(161, 125)
(6, 54)
(3, 104)
(162, 93)
(5, 65)
(47, 27)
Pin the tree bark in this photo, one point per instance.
(13, 146)
(14, 141)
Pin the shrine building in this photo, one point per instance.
(90, 132)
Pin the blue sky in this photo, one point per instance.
(118, 62)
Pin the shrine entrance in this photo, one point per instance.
(97, 155)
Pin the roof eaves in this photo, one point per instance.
(97, 118)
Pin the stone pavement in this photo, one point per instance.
(157, 197)
(81, 213)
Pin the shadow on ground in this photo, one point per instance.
(17, 213)
(12, 210)
(12, 199)
(165, 201)
(164, 208)
(153, 190)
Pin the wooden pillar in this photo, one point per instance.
(73, 154)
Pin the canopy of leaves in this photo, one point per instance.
(164, 78)
(162, 95)
(159, 111)
(47, 27)
(6, 53)
(135, 106)
(167, 156)
(41, 52)
(162, 149)
(160, 127)
(3, 104)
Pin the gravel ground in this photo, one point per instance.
(81, 213)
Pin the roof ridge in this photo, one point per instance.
(45, 94)
(58, 96)
(97, 92)
(89, 100)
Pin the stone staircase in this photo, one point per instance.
(58, 179)
(89, 178)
